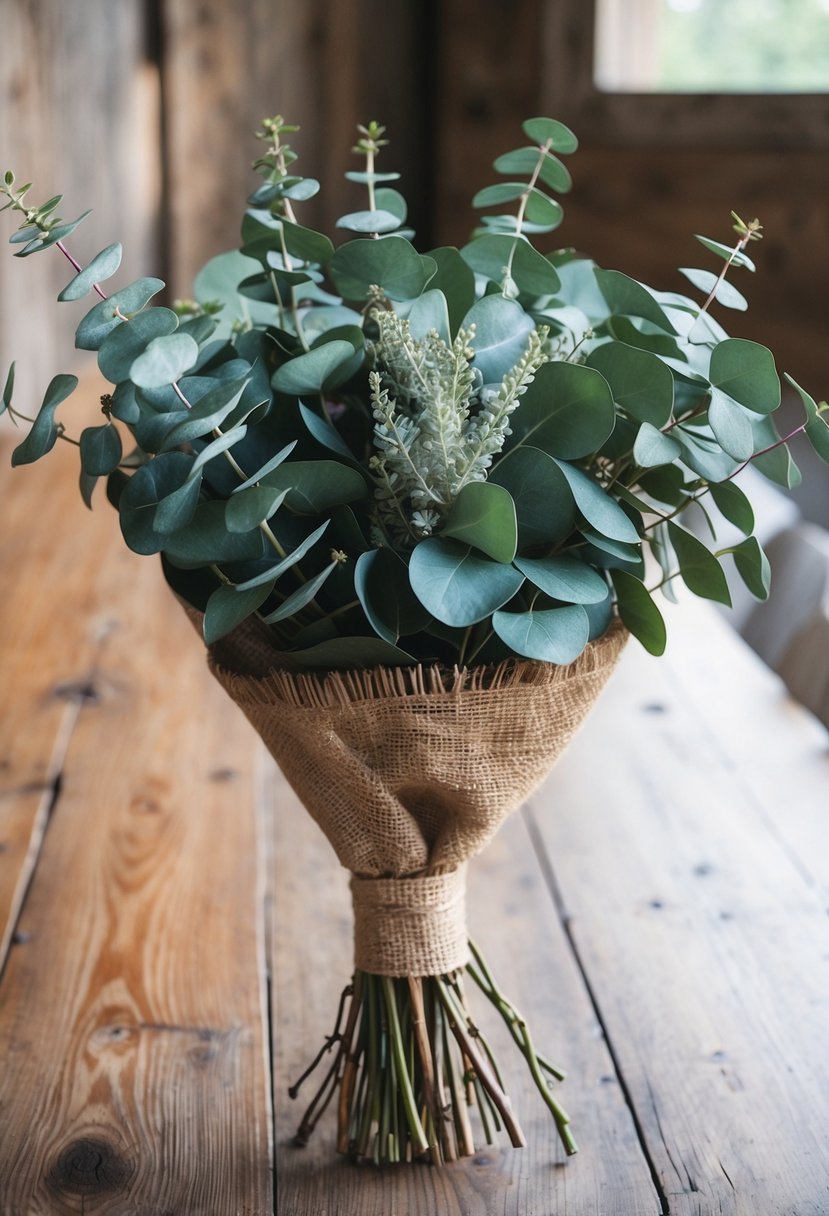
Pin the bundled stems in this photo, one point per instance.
(415, 1079)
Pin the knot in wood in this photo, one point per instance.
(89, 1166)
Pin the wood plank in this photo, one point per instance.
(79, 116)
(316, 63)
(749, 720)
(705, 945)
(517, 926)
(134, 1075)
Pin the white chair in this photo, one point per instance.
(804, 665)
(799, 559)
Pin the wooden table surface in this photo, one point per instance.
(174, 931)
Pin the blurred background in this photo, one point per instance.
(686, 109)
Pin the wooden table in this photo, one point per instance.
(171, 922)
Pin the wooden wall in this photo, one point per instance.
(145, 110)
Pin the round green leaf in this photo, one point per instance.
(641, 383)
(745, 371)
(392, 263)
(628, 298)
(551, 635)
(564, 578)
(165, 361)
(652, 448)
(542, 130)
(308, 372)
(638, 612)
(121, 348)
(344, 654)
(369, 221)
(500, 192)
(140, 498)
(206, 539)
(102, 267)
(727, 253)
(543, 210)
(483, 515)
(102, 319)
(456, 585)
(524, 160)
(501, 331)
(567, 411)
(457, 282)
(544, 505)
(725, 293)
(489, 255)
(430, 312)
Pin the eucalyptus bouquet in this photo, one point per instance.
(410, 500)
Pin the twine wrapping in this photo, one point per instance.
(410, 926)
(410, 771)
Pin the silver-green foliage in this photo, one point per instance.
(388, 456)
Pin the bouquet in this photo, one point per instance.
(415, 503)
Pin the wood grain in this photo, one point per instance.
(134, 1074)
(705, 944)
(516, 924)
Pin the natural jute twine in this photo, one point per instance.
(410, 926)
(410, 771)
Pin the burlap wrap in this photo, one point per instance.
(410, 771)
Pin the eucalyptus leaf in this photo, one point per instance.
(141, 495)
(392, 263)
(228, 607)
(165, 361)
(627, 297)
(315, 486)
(544, 504)
(550, 130)
(430, 312)
(100, 450)
(652, 447)
(597, 507)
(309, 372)
(125, 343)
(746, 372)
(347, 653)
(457, 282)
(381, 581)
(731, 425)
(564, 578)
(724, 292)
(103, 318)
(210, 412)
(369, 221)
(753, 567)
(641, 384)
(699, 568)
(639, 613)
(502, 329)
(272, 463)
(733, 504)
(551, 635)
(483, 515)
(301, 598)
(177, 509)
(553, 172)
(206, 540)
(44, 433)
(727, 252)
(273, 572)
(8, 389)
(817, 430)
(252, 507)
(457, 586)
(102, 267)
(491, 254)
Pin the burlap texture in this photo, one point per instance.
(410, 926)
(410, 771)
